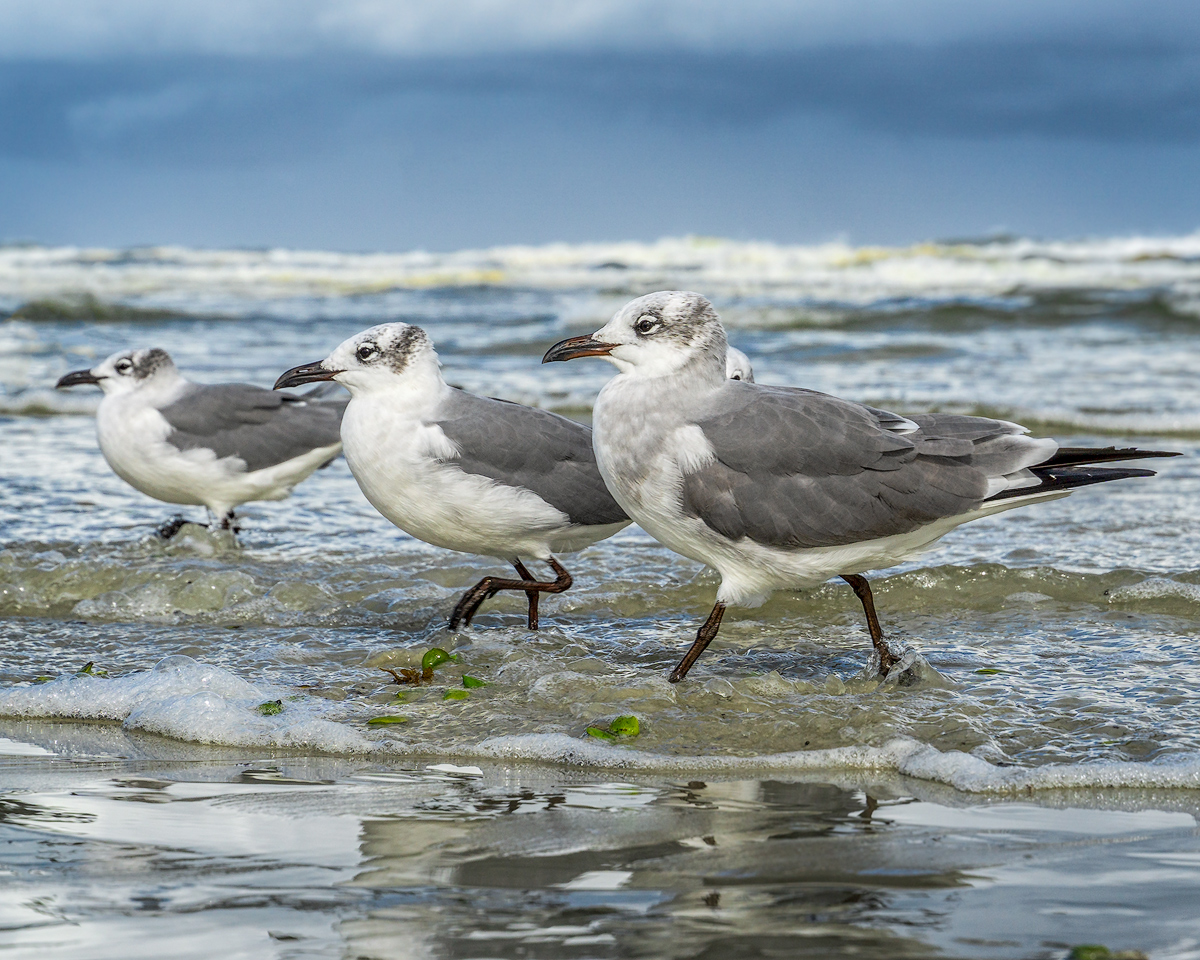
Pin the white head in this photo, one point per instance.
(656, 335)
(737, 365)
(128, 371)
(382, 358)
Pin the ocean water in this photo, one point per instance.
(1047, 737)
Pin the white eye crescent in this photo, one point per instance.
(646, 324)
(366, 351)
(123, 366)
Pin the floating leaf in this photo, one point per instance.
(383, 721)
(89, 669)
(601, 733)
(270, 708)
(988, 671)
(43, 679)
(472, 682)
(627, 726)
(457, 694)
(435, 657)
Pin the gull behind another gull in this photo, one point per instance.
(217, 446)
(781, 488)
(464, 472)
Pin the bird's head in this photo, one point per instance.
(376, 359)
(654, 336)
(737, 365)
(126, 372)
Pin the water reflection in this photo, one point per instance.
(173, 851)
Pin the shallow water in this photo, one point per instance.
(1056, 643)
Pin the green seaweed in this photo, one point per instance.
(626, 726)
(435, 657)
(457, 695)
(90, 669)
(623, 726)
(270, 708)
(472, 682)
(384, 721)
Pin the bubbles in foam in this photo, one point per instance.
(187, 700)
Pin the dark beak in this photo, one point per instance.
(574, 347)
(77, 378)
(306, 373)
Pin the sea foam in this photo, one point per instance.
(186, 700)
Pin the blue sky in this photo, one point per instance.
(366, 125)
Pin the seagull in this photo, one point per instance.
(781, 488)
(463, 472)
(737, 365)
(216, 445)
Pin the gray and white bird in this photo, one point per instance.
(213, 445)
(781, 488)
(737, 365)
(464, 472)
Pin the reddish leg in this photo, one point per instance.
(704, 636)
(488, 587)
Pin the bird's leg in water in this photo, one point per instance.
(227, 521)
(531, 594)
(862, 589)
(168, 528)
(704, 636)
(488, 587)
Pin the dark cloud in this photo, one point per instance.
(1091, 130)
(233, 110)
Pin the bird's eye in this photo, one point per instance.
(645, 325)
(123, 367)
(366, 352)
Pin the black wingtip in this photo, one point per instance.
(1067, 478)
(1077, 456)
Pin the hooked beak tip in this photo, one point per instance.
(574, 347)
(305, 373)
(77, 378)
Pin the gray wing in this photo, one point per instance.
(262, 427)
(796, 468)
(526, 447)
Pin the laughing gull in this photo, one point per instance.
(737, 365)
(780, 488)
(218, 445)
(464, 472)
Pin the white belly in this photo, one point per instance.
(133, 440)
(401, 465)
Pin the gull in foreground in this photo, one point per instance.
(218, 445)
(779, 488)
(465, 472)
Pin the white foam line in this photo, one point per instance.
(195, 702)
(901, 755)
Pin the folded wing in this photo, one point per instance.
(261, 427)
(526, 447)
(796, 468)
